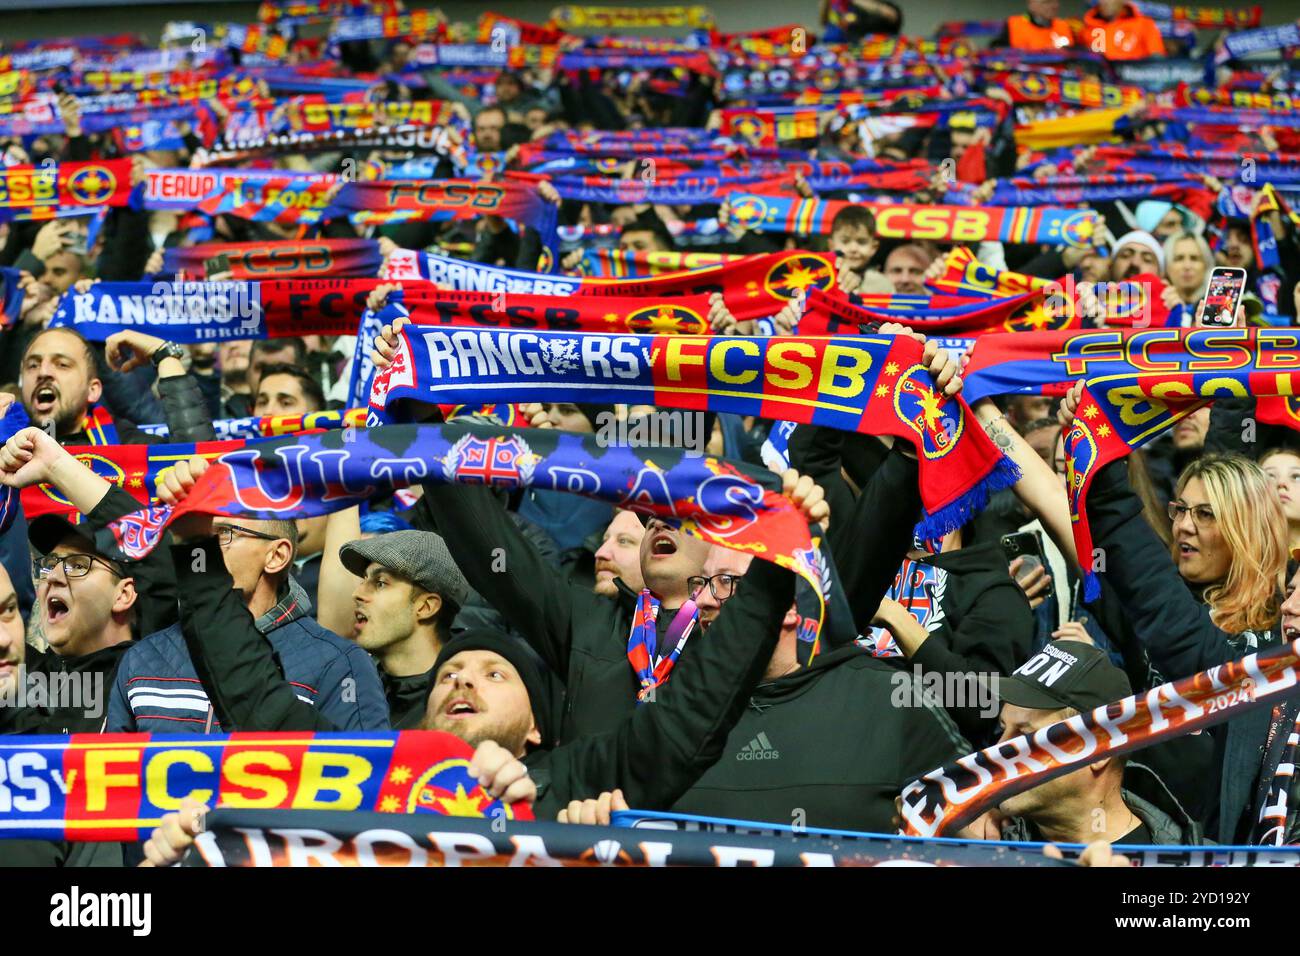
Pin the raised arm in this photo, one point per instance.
(1039, 486)
(657, 754)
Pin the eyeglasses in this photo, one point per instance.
(74, 565)
(721, 586)
(1201, 514)
(226, 534)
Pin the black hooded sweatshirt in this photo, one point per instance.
(837, 739)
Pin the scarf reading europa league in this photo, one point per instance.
(941, 802)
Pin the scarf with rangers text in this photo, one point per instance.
(872, 384)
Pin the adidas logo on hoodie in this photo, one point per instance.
(760, 748)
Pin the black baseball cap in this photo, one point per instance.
(1065, 674)
(48, 531)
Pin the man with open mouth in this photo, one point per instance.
(62, 389)
(406, 600)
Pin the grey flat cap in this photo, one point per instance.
(420, 556)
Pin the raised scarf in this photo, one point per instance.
(941, 802)
(872, 384)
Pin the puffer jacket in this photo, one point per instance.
(158, 690)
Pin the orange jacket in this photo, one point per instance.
(1024, 34)
(1130, 36)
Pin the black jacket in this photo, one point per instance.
(987, 626)
(581, 636)
(92, 673)
(407, 697)
(1181, 640)
(838, 740)
(658, 751)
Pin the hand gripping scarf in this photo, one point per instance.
(941, 802)
(1140, 382)
(871, 384)
(88, 787)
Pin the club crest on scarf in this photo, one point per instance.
(447, 789)
(753, 129)
(90, 185)
(1080, 456)
(1077, 230)
(919, 587)
(503, 462)
(750, 209)
(664, 319)
(792, 278)
(139, 533)
(105, 468)
(545, 261)
(939, 422)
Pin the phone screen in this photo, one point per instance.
(1222, 296)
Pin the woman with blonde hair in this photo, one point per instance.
(1215, 596)
(1188, 262)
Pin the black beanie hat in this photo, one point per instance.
(524, 661)
(592, 413)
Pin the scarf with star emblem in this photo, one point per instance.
(121, 790)
(874, 384)
(1013, 224)
(752, 286)
(39, 192)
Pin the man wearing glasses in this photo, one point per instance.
(86, 599)
(827, 745)
(88, 608)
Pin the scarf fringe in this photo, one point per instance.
(967, 505)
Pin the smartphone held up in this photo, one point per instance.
(1223, 293)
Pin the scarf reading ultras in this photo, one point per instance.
(941, 802)
(872, 384)
(722, 502)
(1139, 382)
